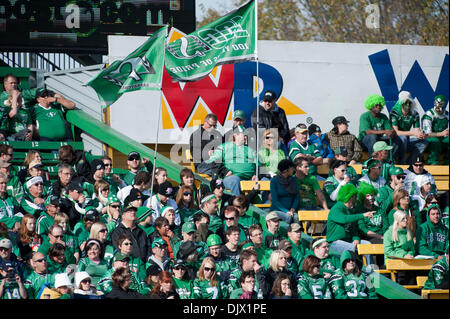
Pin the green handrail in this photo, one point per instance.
(123, 143)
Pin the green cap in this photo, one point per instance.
(112, 198)
(121, 257)
(381, 146)
(158, 242)
(247, 245)
(188, 227)
(440, 98)
(213, 240)
(371, 163)
(396, 171)
(143, 212)
(239, 114)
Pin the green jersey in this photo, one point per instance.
(11, 290)
(7, 214)
(433, 122)
(43, 223)
(437, 275)
(307, 192)
(129, 176)
(271, 240)
(378, 224)
(313, 287)
(28, 96)
(233, 282)
(95, 270)
(269, 160)
(202, 289)
(341, 224)
(385, 168)
(50, 121)
(35, 281)
(351, 286)
(432, 239)
(404, 122)
(21, 121)
(368, 122)
(184, 288)
(5, 124)
(331, 187)
(105, 283)
(246, 221)
(295, 148)
(15, 187)
(328, 265)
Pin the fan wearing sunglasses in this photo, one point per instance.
(334, 182)
(207, 285)
(385, 193)
(414, 174)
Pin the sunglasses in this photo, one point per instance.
(401, 176)
(103, 230)
(134, 159)
(115, 206)
(187, 194)
(58, 236)
(39, 260)
(209, 269)
(86, 281)
(269, 137)
(107, 165)
(229, 218)
(418, 165)
(38, 184)
(342, 170)
(127, 244)
(4, 249)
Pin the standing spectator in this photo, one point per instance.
(21, 126)
(342, 228)
(432, 235)
(207, 285)
(375, 126)
(238, 160)
(309, 189)
(403, 117)
(271, 116)
(203, 142)
(128, 225)
(339, 136)
(50, 115)
(311, 284)
(321, 142)
(300, 147)
(134, 162)
(284, 191)
(270, 155)
(373, 176)
(435, 126)
(415, 173)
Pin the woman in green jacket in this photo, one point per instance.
(398, 239)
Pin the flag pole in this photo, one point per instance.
(257, 89)
(159, 117)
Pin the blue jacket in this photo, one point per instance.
(322, 144)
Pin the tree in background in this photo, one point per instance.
(413, 22)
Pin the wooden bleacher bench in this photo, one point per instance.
(313, 216)
(42, 145)
(247, 186)
(435, 294)
(401, 264)
(192, 166)
(371, 249)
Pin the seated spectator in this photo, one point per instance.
(9, 262)
(165, 288)
(281, 288)
(33, 200)
(11, 84)
(231, 219)
(65, 174)
(112, 179)
(402, 201)
(273, 233)
(84, 289)
(242, 204)
(435, 126)
(14, 187)
(311, 284)
(56, 259)
(350, 281)
(404, 117)
(56, 235)
(11, 285)
(10, 212)
(70, 240)
(342, 227)
(263, 253)
(309, 189)
(28, 239)
(159, 255)
(375, 126)
(395, 182)
(380, 153)
(142, 182)
(438, 275)
(239, 119)
(247, 291)
(398, 239)
(238, 160)
(134, 163)
(209, 206)
(291, 263)
(174, 231)
(284, 191)
(430, 200)
(94, 263)
(300, 147)
(321, 142)
(122, 280)
(6, 156)
(231, 249)
(32, 156)
(99, 231)
(82, 228)
(207, 285)
(299, 246)
(432, 235)
(334, 182)
(50, 115)
(223, 262)
(187, 206)
(339, 136)
(270, 155)
(62, 288)
(202, 144)
(320, 248)
(415, 173)
(373, 176)
(162, 199)
(217, 188)
(182, 283)
(341, 154)
(372, 229)
(39, 277)
(187, 179)
(424, 186)
(162, 230)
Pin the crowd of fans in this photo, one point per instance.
(93, 234)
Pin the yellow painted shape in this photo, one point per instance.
(175, 36)
(230, 115)
(198, 116)
(289, 107)
(214, 72)
(166, 120)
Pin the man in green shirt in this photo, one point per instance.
(385, 194)
(301, 148)
(435, 126)
(39, 277)
(134, 162)
(375, 126)
(380, 153)
(49, 115)
(404, 117)
(310, 190)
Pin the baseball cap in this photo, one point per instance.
(341, 150)
(239, 114)
(121, 257)
(213, 240)
(371, 163)
(419, 159)
(44, 93)
(52, 200)
(112, 198)
(35, 164)
(133, 155)
(216, 183)
(143, 212)
(153, 270)
(269, 96)
(188, 227)
(395, 170)
(135, 194)
(294, 227)
(6, 243)
(340, 120)
(165, 189)
(179, 263)
(301, 128)
(313, 128)
(272, 216)
(91, 214)
(97, 164)
(284, 244)
(158, 242)
(186, 248)
(381, 146)
(74, 186)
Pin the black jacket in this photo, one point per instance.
(118, 293)
(273, 118)
(200, 139)
(141, 243)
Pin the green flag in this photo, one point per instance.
(228, 39)
(140, 70)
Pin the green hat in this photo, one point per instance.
(239, 114)
(371, 163)
(373, 100)
(165, 209)
(381, 146)
(440, 99)
(247, 245)
(112, 198)
(188, 227)
(121, 257)
(213, 240)
(143, 212)
(346, 192)
(395, 170)
(158, 242)
(365, 189)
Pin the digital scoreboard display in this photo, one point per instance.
(83, 26)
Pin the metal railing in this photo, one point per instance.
(48, 62)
